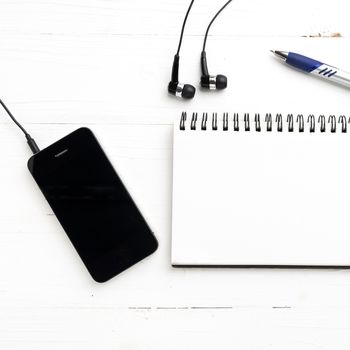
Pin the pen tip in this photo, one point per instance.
(281, 54)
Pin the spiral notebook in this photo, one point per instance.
(261, 190)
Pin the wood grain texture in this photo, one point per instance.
(106, 64)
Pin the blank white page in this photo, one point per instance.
(268, 198)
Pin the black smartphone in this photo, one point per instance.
(92, 204)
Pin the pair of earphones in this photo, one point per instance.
(211, 82)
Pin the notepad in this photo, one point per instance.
(260, 189)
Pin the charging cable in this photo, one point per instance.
(31, 142)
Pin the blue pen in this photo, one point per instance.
(314, 67)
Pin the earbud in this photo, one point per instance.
(186, 91)
(211, 82)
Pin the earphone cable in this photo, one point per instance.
(211, 22)
(183, 27)
(31, 142)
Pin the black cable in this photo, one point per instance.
(13, 118)
(183, 27)
(31, 142)
(211, 22)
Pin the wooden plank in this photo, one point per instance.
(106, 64)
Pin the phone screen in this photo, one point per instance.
(92, 204)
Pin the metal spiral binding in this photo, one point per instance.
(290, 122)
(183, 121)
(311, 120)
(215, 121)
(322, 121)
(333, 121)
(271, 123)
(279, 122)
(235, 122)
(257, 122)
(268, 120)
(342, 120)
(194, 121)
(246, 122)
(225, 121)
(204, 121)
(300, 120)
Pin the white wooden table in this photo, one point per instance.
(105, 64)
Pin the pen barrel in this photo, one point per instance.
(332, 74)
(315, 67)
(303, 63)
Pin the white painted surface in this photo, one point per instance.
(106, 64)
